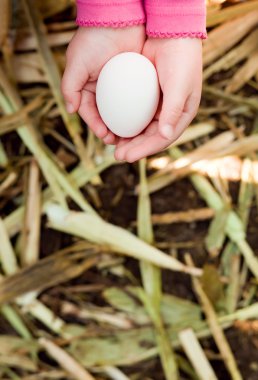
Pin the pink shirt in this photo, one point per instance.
(163, 18)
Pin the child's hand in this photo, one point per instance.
(179, 66)
(87, 53)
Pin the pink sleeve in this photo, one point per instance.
(110, 13)
(176, 18)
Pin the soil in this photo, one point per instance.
(181, 196)
(177, 197)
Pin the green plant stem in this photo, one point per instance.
(151, 277)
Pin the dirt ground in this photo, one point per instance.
(189, 237)
(176, 197)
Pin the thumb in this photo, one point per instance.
(74, 79)
(171, 111)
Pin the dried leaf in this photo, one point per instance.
(246, 72)
(47, 272)
(222, 38)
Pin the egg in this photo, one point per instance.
(127, 93)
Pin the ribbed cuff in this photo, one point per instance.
(176, 18)
(106, 13)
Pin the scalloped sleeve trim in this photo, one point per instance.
(176, 18)
(106, 13)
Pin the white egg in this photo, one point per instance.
(127, 93)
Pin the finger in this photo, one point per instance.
(89, 113)
(151, 145)
(74, 79)
(110, 138)
(151, 129)
(122, 141)
(127, 144)
(174, 97)
(189, 113)
(122, 149)
(133, 140)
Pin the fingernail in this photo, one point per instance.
(69, 107)
(167, 131)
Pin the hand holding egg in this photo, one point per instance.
(89, 50)
(127, 94)
(179, 66)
